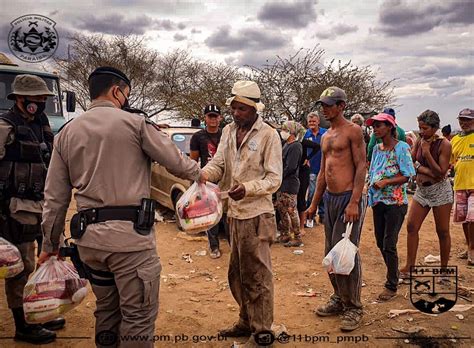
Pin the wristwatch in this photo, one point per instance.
(417, 165)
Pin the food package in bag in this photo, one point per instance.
(199, 208)
(11, 263)
(54, 289)
(341, 258)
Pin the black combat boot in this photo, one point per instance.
(30, 333)
(56, 324)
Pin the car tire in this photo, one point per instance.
(175, 198)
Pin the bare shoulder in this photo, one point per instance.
(354, 131)
(446, 145)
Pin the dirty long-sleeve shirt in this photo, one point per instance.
(257, 164)
(105, 154)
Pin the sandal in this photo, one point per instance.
(463, 255)
(404, 278)
(215, 254)
(386, 295)
(282, 238)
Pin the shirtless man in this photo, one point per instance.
(341, 180)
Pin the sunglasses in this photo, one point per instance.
(465, 119)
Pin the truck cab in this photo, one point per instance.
(54, 105)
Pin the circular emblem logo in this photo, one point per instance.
(106, 338)
(33, 38)
(264, 338)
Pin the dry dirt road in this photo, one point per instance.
(195, 301)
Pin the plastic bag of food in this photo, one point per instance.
(341, 258)
(200, 208)
(11, 263)
(54, 289)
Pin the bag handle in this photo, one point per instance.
(348, 232)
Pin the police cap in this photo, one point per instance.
(108, 70)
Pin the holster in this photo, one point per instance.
(99, 278)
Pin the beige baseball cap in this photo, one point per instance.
(29, 85)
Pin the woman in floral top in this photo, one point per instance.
(390, 169)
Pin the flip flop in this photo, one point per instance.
(386, 295)
(404, 278)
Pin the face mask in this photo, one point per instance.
(33, 107)
(126, 104)
(284, 135)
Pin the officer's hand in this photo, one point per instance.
(163, 125)
(44, 256)
(237, 192)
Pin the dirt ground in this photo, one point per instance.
(195, 301)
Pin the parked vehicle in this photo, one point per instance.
(165, 187)
(54, 106)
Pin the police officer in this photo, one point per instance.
(26, 142)
(106, 154)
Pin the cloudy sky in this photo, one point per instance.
(427, 46)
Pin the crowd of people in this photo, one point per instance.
(305, 176)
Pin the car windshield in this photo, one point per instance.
(53, 104)
(182, 141)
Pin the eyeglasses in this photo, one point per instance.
(465, 119)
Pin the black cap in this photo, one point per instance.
(108, 70)
(212, 109)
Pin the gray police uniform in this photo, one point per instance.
(105, 154)
(23, 165)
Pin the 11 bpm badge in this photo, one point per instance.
(33, 38)
(433, 289)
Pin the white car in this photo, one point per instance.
(165, 187)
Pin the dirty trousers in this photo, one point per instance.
(250, 270)
(290, 220)
(346, 287)
(130, 307)
(14, 286)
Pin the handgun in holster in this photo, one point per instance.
(95, 277)
(70, 250)
(78, 225)
(146, 216)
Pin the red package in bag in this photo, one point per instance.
(200, 208)
(54, 289)
(11, 263)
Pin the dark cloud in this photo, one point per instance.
(403, 18)
(337, 30)
(195, 31)
(117, 24)
(179, 37)
(251, 39)
(297, 14)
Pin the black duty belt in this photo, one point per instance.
(95, 215)
(143, 217)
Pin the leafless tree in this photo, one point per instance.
(290, 86)
(127, 53)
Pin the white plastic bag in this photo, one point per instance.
(11, 263)
(341, 258)
(200, 208)
(54, 289)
